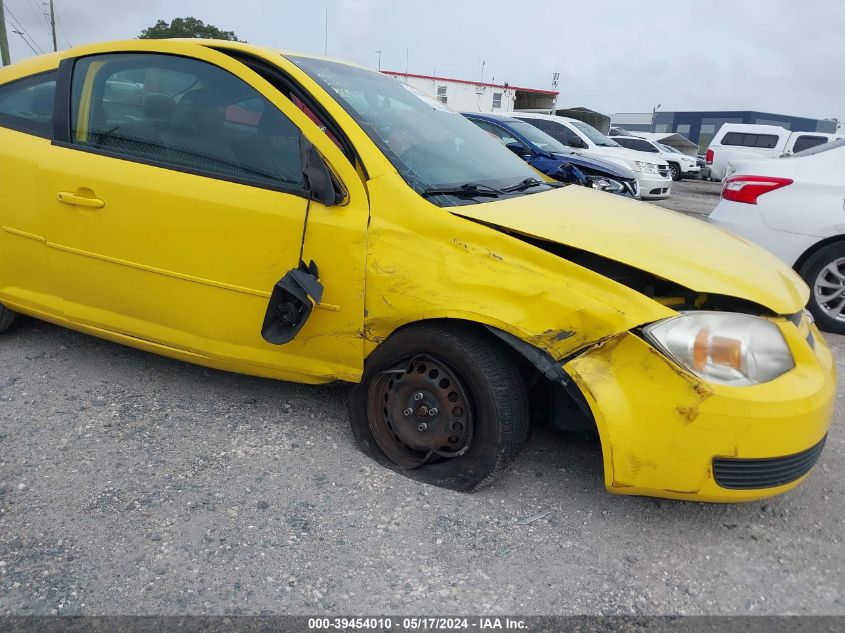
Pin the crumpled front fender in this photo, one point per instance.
(661, 427)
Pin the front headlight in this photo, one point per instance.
(607, 184)
(723, 347)
(648, 168)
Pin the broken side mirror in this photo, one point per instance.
(319, 181)
(291, 303)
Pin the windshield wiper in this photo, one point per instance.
(469, 189)
(526, 184)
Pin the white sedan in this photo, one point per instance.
(795, 207)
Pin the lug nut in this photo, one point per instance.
(408, 411)
(422, 427)
(418, 396)
(432, 412)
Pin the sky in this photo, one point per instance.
(780, 56)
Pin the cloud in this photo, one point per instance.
(613, 56)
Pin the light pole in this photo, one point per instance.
(53, 25)
(379, 58)
(4, 42)
(654, 114)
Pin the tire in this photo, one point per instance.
(7, 317)
(476, 389)
(675, 170)
(823, 266)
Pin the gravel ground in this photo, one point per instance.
(694, 197)
(133, 484)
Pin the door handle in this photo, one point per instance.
(76, 200)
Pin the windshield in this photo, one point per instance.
(593, 134)
(539, 138)
(430, 145)
(667, 148)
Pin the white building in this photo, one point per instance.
(475, 96)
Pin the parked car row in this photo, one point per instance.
(793, 206)
(298, 218)
(737, 141)
(556, 160)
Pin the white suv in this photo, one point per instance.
(653, 176)
(680, 165)
(736, 141)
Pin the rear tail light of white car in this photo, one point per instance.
(708, 157)
(747, 189)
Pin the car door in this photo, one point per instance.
(26, 129)
(177, 202)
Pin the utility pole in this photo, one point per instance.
(326, 49)
(4, 41)
(379, 58)
(53, 25)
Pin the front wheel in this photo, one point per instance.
(824, 272)
(675, 171)
(443, 404)
(7, 317)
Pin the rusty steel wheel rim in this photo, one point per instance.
(420, 412)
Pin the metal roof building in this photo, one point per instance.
(701, 127)
(478, 96)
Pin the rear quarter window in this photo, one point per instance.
(806, 141)
(26, 105)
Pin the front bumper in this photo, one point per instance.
(692, 171)
(654, 187)
(661, 428)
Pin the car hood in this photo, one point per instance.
(611, 168)
(627, 154)
(687, 251)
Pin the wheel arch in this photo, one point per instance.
(537, 366)
(815, 248)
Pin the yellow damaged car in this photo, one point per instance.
(304, 219)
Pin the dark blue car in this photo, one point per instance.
(554, 159)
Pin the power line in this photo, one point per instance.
(39, 16)
(62, 29)
(20, 30)
(21, 33)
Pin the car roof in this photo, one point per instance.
(491, 116)
(753, 127)
(50, 61)
(537, 115)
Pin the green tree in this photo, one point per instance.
(186, 27)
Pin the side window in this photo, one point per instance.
(27, 104)
(185, 114)
(805, 141)
(501, 134)
(644, 146)
(557, 131)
